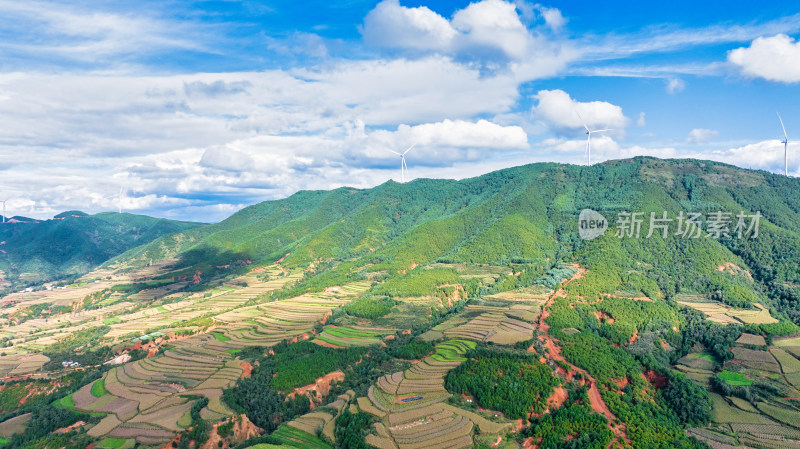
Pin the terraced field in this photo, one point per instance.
(723, 314)
(411, 409)
(353, 336)
(149, 400)
(501, 324)
(421, 421)
(21, 364)
(132, 315)
(757, 424)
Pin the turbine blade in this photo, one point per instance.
(409, 149)
(783, 127)
(602, 130)
(395, 152)
(582, 120)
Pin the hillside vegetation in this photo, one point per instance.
(73, 243)
(524, 216)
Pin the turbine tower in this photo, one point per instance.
(119, 199)
(4, 210)
(403, 166)
(589, 133)
(785, 143)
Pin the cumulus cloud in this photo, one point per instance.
(492, 25)
(775, 58)
(453, 134)
(394, 26)
(488, 30)
(561, 111)
(700, 135)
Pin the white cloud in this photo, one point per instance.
(394, 26)
(455, 134)
(666, 38)
(227, 158)
(675, 85)
(641, 122)
(552, 17)
(558, 109)
(186, 142)
(764, 155)
(489, 32)
(700, 135)
(492, 24)
(775, 58)
(91, 35)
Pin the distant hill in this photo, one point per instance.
(524, 214)
(72, 243)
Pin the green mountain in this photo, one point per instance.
(444, 310)
(73, 243)
(528, 215)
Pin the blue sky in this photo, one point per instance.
(199, 108)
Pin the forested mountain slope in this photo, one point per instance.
(527, 215)
(72, 243)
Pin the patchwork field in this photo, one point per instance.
(723, 314)
(757, 424)
(148, 401)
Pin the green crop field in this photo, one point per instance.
(220, 337)
(732, 378)
(99, 388)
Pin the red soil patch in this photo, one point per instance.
(242, 430)
(655, 379)
(665, 345)
(69, 428)
(603, 317)
(634, 337)
(247, 370)
(497, 443)
(322, 385)
(554, 353)
(327, 345)
(528, 443)
(621, 383)
(734, 269)
(558, 397)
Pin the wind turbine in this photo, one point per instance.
(589, 133)
(785, 143)
(403, 166)
(119, 198)
(4, 210)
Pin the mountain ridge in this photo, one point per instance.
(72, 243)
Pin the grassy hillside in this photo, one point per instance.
(73, 243)
(525, 215)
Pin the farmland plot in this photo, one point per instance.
(148, 398)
